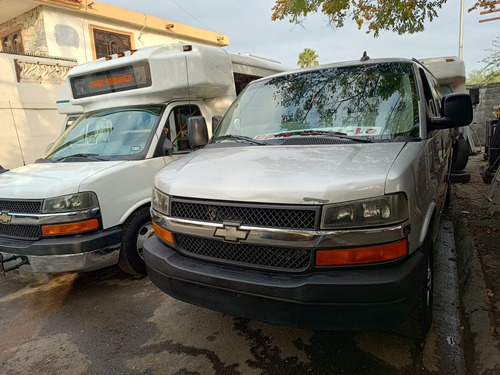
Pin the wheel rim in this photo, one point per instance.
(145, 232)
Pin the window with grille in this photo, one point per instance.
(12, 41)
(108, 42)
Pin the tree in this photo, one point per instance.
(308, 58)
(493, 60)
(400, 16)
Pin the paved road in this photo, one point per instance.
(107, 323)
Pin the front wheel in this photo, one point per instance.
(136, 230)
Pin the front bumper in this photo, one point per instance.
(358, 298)
(76, 253)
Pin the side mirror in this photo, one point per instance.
(168, 147)
(456, 111)
(474, 95)
(197, 132)
(215, 123)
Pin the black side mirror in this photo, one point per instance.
(474, 95)
(197, 132)
(456, 111)
(215, 123)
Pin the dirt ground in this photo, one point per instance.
(484, 230)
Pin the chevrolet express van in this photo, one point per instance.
(321, 195)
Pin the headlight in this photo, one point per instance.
(160, 202)
(70, 203)
(389, 209)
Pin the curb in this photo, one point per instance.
(482, 354)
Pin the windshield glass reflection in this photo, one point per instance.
(377, 101)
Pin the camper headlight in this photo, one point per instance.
(385, 210)
(160, 202)
(70, 203)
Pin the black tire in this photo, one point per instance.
(487, 175)
(419, 321)
(136, 230)
(459, 177)
(460, 155)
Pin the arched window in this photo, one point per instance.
(12, 41)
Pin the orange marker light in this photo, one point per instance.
(164, 234)
(70, 228)
(361, 255)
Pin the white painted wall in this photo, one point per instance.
(29, 120)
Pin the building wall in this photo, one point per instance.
(28, 114)
(489, 96)
(33, 31)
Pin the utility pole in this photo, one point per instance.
(461, 31)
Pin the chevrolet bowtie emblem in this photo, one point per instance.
(5, 217)
(231, 233)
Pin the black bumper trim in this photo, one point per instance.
(68, 245)
(337, 299)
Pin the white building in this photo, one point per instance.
(41, 40)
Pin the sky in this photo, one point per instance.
(251, 31)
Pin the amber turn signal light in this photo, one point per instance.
(70, 228)
(164, 234)
(361, 255)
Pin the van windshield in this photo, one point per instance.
(118, 134)
(375, 102)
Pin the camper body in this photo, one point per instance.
(85, 204)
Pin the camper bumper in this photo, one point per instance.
(341, 299)
(65, 254)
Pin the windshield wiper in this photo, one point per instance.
(83, 156)
(241, 138)
(323, 133)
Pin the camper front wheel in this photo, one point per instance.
(136, 230)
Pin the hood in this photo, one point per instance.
(43, 180)
(282, 174)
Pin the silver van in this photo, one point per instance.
(316, 202)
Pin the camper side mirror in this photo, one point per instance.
(168, 147)
(456, 111)
(197, 132)
(215, 123)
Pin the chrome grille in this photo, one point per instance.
(24, 207)
(31, 232)
(304, 218)
(276, 258)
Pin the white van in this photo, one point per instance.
(321, 196)
(85, 204)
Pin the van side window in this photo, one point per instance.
(176, 126)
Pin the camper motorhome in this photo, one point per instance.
(85, 204)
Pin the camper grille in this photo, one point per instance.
(27, 232)
(276, 258)
(264, 216)
(22, 207)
